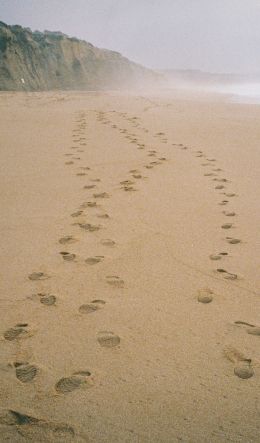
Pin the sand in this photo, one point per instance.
(129, 269)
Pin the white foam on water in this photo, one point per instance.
(241, 92)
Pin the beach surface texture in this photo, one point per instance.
(129, 268)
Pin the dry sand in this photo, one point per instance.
(112, 341)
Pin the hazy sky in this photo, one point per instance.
(211, 35)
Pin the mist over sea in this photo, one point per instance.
(241, 92)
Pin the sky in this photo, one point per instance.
(210, 35)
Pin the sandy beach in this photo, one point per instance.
(129, 268)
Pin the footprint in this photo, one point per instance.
(25, 372)
(137, 176)
(89, 227)
(69, 163)
(219, 187)
(253, 330)
(99, 302)
(94, 260)
(205, 295)
(91, 307)
(47, 299)
(38, 276)
(76, 214)
(30, 428)
(127, 182)
(88, 205)
(101, 195)
(108, 242)
(81, 174)
(148, 167)
(67, 256)
(230, 194)
(17, 332)
(128, 188)
(217, 256)
(226, 226)
(233, 241)
(223, 203)
(108, 339)
(229, 214)
(223, 180)
(115, 281)
(89, 186)
(227, 275)
(242, 368)
(103, 216)
(75, 381)
(67, 240)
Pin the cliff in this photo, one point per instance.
(36, 61)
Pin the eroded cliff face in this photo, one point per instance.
(35, 61)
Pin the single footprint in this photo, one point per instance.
(223, 202)
(227, 275)
(223, 180)
(67, 256)
(89, 186)
(231, 194)
(89, 227)
(89, 205)
(67, 240)
(16, 332)
(47, 299)
(81, 174)
(108, 242)
(38, 276)
(137, 176)
(25, 372)
(69, 163)
(219, 187)
(233, 241)
(115, 281)
(252, 330)
(229, 214)
(226, 226)
(91, 307)
(242, 368)
(128, 188)
(76, 214)
(35, 429)
(94, 260)
(205, 295)
(75, 381)
(217, 256)
(108, 339)
(101, 195)
(103, 216)
(127, 182)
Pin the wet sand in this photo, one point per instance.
(129, 269)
